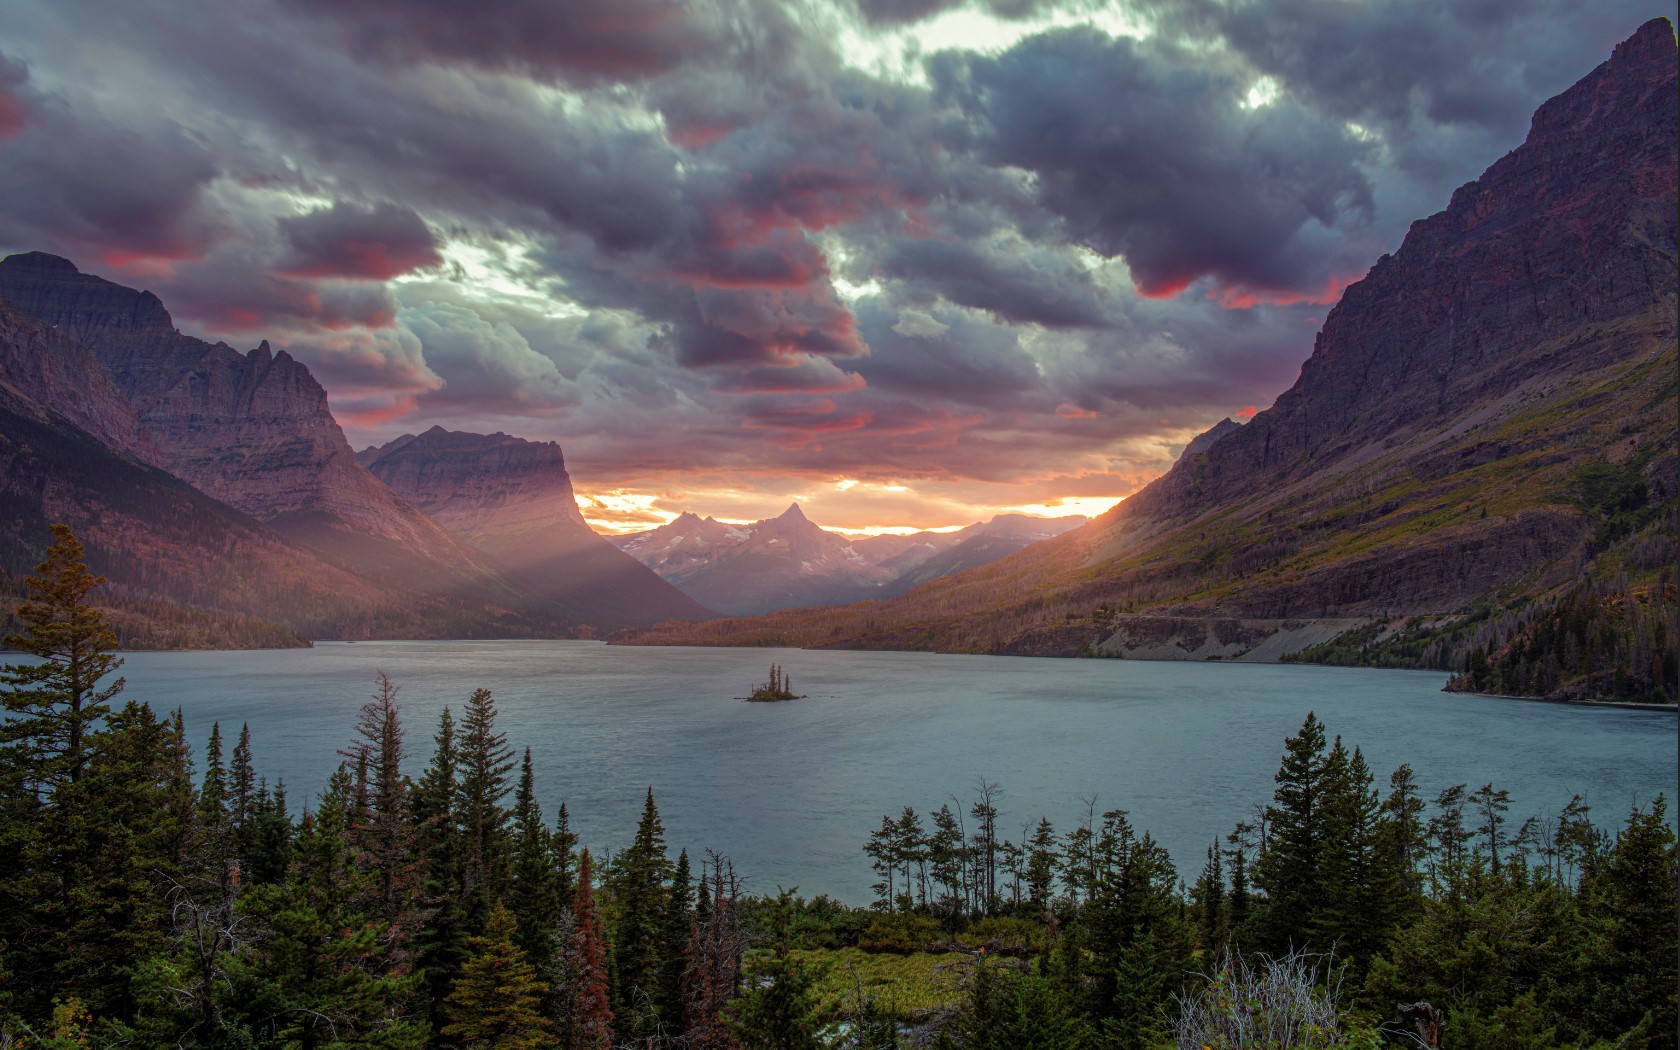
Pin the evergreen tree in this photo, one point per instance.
(678, 927)
(1350, 910)
(1288, 865)
(563, 847)
(640, 887)
(383, 825)
(586, 1017)
(534, 892)
(485, 762)
(55, 704)
(321, 978)
(1629, 905)
(779, 1009)
(1012, 1010)
(1209, 899)
(1399, 846)
(494, 1002)
(442, 941)
(1042, 861)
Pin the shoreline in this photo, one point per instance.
(1625, 705)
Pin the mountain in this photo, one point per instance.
(981, 544)
(1475, 470)
(687, 542)
(771, 564)
(788, 561)
(252, 430)
(513, 500)
(184, 570)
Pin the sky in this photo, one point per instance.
(908, 262)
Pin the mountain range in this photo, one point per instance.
(219, 496)
(789, 561)
(1476, 469)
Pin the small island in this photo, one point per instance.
(779, 687)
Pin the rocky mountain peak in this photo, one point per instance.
(793, 514)
(477, 485)
(1209, 437)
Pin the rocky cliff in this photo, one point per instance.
(1485, 420)
(513, 500)
(185, 570)
(46, 367)
(252, 430)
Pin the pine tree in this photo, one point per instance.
(486, 760)
(1042, 861)
(779, 1010)
(586, 1019)
(494, 1002)
(1399, 848)
(442, 941)
(640, 884)
(56, 703)
(1209, 898)
(1350, 910)
(534, 892)
(323, 979)
(1288, 866)
(383, 829)
(676, 930)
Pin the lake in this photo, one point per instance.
(791, 791)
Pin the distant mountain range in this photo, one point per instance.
(219, 495)
(788, 561)
(1475, 471)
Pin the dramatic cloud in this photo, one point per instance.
(1152, 156)
(582, 40)
(374, 242)
(922, 259)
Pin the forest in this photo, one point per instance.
(152, 897)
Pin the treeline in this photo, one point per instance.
(1548, 933)
(150, 901)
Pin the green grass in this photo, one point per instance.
(906, 987)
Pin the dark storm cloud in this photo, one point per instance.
(1042, 287)
(1402, 66)
(952, 354)
(1151, 156)
(372, 242)
(577, 40)
(234, 290)
(82, 184)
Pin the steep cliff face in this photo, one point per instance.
(44, 365)
(252, 430)
(513, 500)
(1486, 419)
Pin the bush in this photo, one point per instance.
(902, 933)
(1004, 935)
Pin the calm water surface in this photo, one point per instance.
(791, 791)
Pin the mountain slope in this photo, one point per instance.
(252, 430)
(185, 570)
(1435, 461)
(513, 500)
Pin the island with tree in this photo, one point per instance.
(779, 687)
